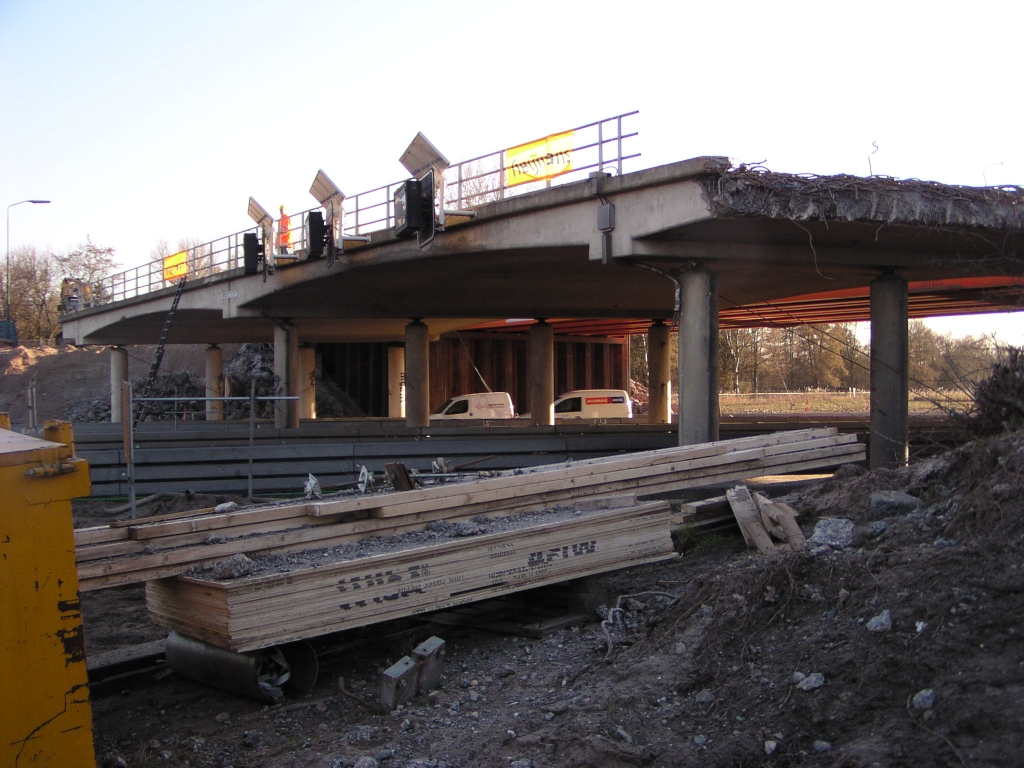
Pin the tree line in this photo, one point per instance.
(832, 357)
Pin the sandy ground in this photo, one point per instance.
(714, 672)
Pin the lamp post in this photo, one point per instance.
(7, 272)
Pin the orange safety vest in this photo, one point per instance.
(284, 235)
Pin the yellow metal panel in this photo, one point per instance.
(45, 715)
(539, 160)
(176, 265)
(59, 432)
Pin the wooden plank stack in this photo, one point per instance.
(170, 545)
(259, 611)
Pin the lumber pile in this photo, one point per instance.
(170, 545)
(259, 611)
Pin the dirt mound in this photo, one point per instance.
(20, 359)
(63, 376)
(74, 382)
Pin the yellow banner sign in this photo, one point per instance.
(539, 160)
(176, 266)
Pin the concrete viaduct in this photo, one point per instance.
(675, 242)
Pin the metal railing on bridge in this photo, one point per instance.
(220, 255)
(598, 146)
(601, 146)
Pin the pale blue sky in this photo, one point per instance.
(148, 121)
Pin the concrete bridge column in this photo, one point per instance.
(307, 381)
(659, 375)
(118, 375)
(396, 382)
(286, 362)
(542, 373)
(698, 357)
(417, 374)
(889, 371)
(214, 382)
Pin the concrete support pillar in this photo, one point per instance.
(118, 375)
(396, 382)
(286, 363)
(214, 382)
(659, 374)
(542, 373)
(417, 374)
(889, 371)
(307, 382)
(698, 357)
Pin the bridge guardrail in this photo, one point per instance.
(597, 146)
(220, 255)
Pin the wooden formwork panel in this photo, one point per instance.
(251, 613)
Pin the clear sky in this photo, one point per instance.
(147, 121)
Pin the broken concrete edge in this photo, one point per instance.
(748, 191)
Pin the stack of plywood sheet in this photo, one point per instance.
(263, 610)
(172, 544)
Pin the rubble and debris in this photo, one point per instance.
(235, 567)
(832, 532)
(893, 503)
(880, 623)
(812, 682)
(756, 191)
(924, 699)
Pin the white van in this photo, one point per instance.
(594, 404)
(480, 405)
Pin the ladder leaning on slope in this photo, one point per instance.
(159, 356)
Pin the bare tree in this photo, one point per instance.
(36, 277)
(34, 294)
(88, 262)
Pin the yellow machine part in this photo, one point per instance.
(45, 714)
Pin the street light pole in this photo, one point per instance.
(7, 272)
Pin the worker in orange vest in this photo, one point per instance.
(284, 235)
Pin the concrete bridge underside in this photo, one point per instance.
(692, 229)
